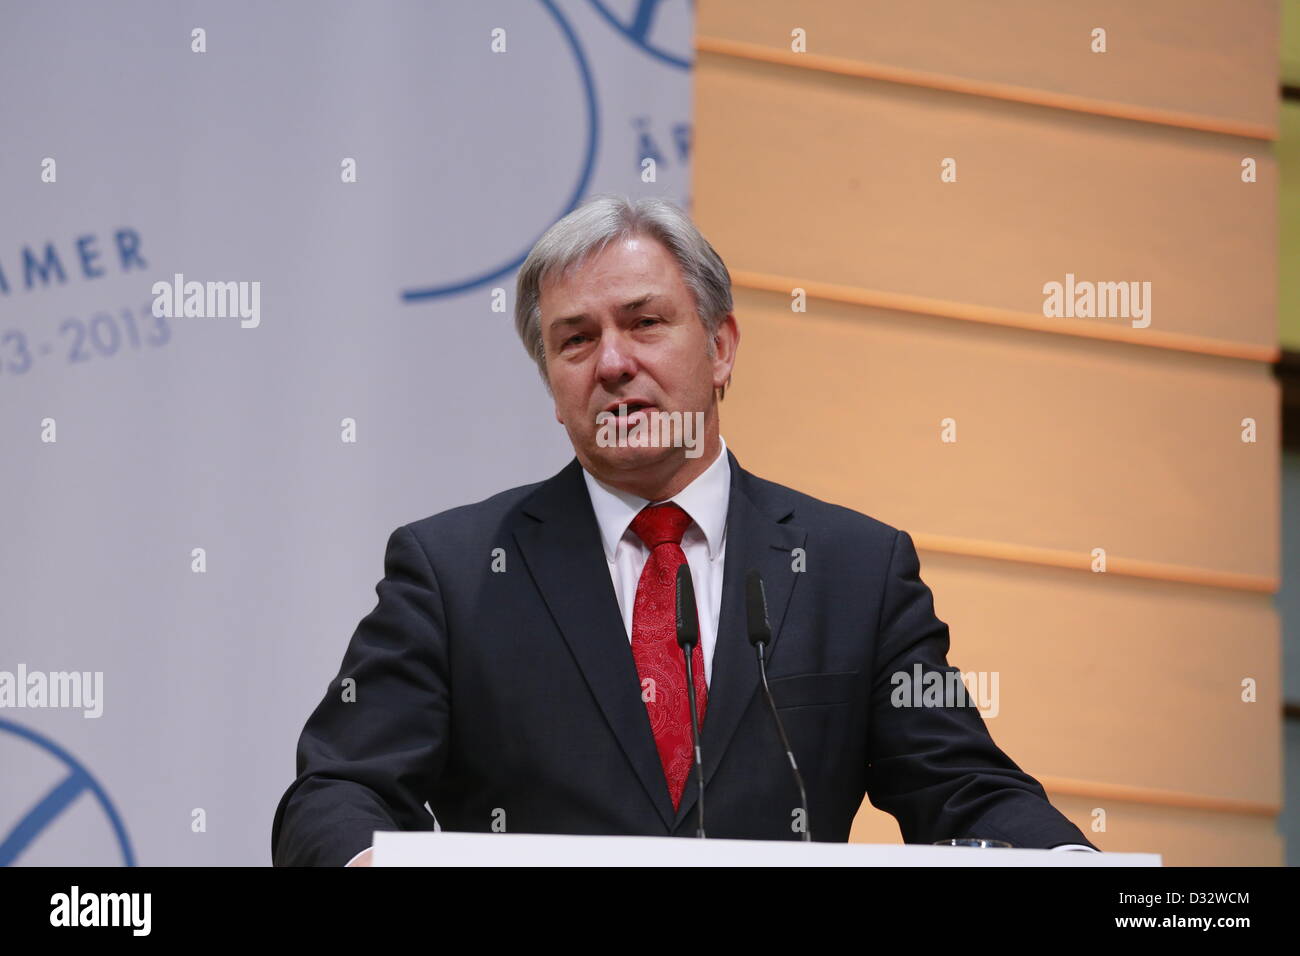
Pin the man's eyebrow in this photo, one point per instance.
(637, 303)
(625, 307)
(567, 320)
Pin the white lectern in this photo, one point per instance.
(534, 849)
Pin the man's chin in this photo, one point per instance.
(630, 460)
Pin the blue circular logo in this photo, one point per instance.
(579, 189)
(639, 28)
(52, 805)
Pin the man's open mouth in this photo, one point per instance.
(629, 408)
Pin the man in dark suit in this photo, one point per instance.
(520, 671)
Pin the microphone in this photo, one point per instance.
(688, 635)
(760, 634)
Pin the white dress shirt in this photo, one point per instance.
(704, 543)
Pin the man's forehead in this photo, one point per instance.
(565, 311)
(616, 292)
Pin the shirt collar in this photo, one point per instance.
(705, 499)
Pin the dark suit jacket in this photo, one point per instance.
(512, 696)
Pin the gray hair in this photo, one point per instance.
(607, 218)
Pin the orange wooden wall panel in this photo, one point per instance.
(1060, 443)
(1119, 690)
(1039, 194)
(1211, 57)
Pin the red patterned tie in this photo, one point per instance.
(654, 644)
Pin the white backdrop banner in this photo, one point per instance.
(196, 507)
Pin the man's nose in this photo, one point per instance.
(616, 360)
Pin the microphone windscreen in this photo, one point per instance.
(760, 629)
(688, 623)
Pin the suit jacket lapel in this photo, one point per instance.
(757, 537)
(564, 555)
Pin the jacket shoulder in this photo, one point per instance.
(823, 518)
(472, 522)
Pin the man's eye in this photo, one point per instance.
(573, 338)
(647, 319)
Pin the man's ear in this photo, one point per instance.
(725, 342)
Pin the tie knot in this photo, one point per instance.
(661, 524)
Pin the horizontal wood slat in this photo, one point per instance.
(1208, 63)
(1029, 321)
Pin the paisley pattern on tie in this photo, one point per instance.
(654, 644)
